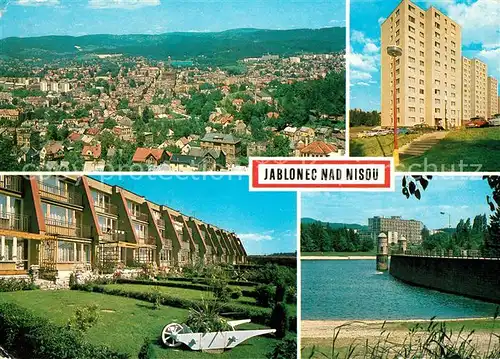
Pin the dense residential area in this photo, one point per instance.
(56, 225)
(121, 113)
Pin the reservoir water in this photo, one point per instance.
(352, 289)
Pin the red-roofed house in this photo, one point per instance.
(93, 131)
(90, 153)
(9, 114)
(74, 136)
(319, 149)
(151, 156)
(238, 102)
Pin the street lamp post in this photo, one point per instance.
(449, 218)
(395, 51)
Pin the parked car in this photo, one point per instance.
(495, 121)
(476, 123)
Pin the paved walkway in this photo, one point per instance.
(422, 144)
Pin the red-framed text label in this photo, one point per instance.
(309, 174)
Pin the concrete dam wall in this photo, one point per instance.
(475, 278)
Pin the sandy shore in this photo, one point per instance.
(325, 328)
(334, 258)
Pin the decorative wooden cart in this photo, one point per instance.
(174, 335)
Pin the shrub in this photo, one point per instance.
(156, 297)
(236, 293)
(194, 270)
(205, 318)
(291, 295)
(14, 285)
(286, 349)
(84, 318)
(106, 267)
(274, 274)
(147, 350)
(148, 271)
(72, 280)
(264, 295)
(27, 336)
(279, 319)
(280, 293)
(221, 290)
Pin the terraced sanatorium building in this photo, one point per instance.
(68, 223)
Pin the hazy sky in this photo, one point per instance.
(265, 221)
(81, 17)
(461, 197)
(480, 39)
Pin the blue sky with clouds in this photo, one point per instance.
(480, 39)
(265, 221)
(80, 17)
(461, 197)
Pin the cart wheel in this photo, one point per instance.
(169, 335)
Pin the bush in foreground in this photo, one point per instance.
(14, 285)
(280, 320)
(285, 349)
(147, 350)
(84, 318)
(28, 336)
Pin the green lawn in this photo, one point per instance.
(190, 294)
(472, 147)
(338, 254)
(125, 322)
(378, 146)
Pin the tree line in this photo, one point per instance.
(359, 117)
(321, 237)
(468, 235)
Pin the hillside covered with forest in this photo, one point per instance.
(209, 47)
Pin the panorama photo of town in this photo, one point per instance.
(200, 92)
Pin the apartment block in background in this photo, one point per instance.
(396, 227)
(466, 89)
(61, 224)
(429, 72)
(492, 98)
(479, 86)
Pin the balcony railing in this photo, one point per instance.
(11, 183)
(14, 221)
(140, 216)
(106, 208)
(60, 194)
(149, 240)
(63, 228)
(167, 243)
(160, 222)
(460, 253)
(112, 237)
